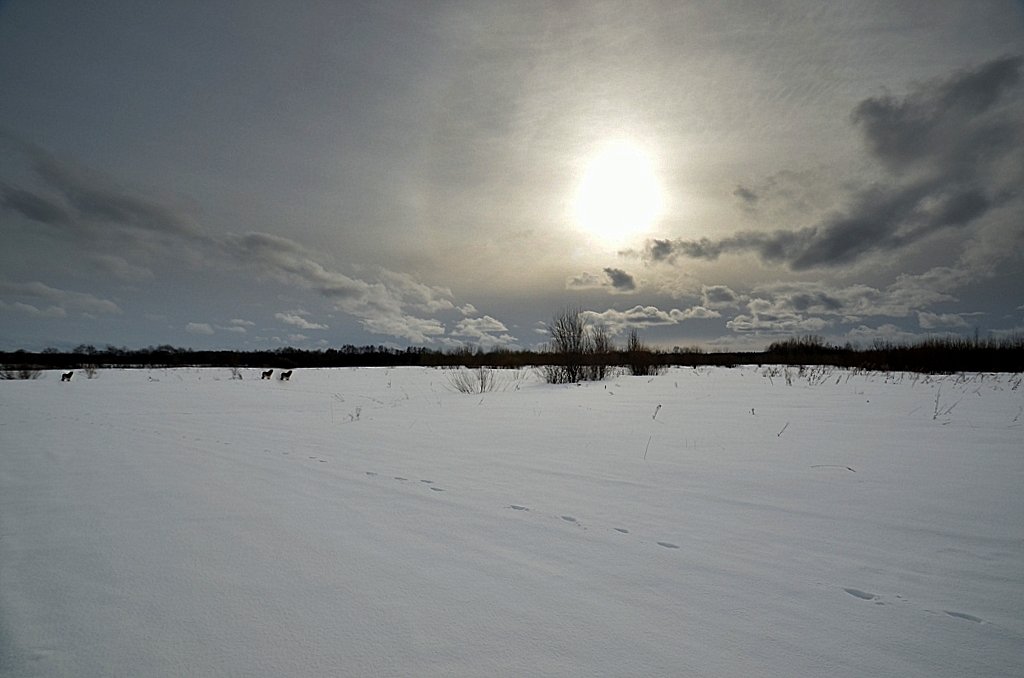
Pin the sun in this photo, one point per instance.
(619, 196)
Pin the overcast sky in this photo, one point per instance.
(266, 173)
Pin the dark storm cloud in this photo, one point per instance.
(717, 296)
(95, 201)
(76, 199)
(775, 247)
(621, 281)
(887, 220)
(954, 151)
(32, 206)
(748, 196)
(615, 280)
(946, 121)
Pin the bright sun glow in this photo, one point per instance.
(619, 196)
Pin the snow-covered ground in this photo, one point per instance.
(371, 522)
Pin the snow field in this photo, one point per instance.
(376, 522)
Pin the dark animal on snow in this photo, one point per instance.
(285, 376)
(66, 376)
(267, 374)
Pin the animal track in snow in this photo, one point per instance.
(877, 599)
(567, 518)
(863, 595)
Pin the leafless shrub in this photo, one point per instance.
(600, 350)
(570, 344)
(21, 372)
(479, 380)
(640, 360)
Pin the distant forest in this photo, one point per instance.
(933, 355)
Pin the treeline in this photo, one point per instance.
(932, 355)
(943, 355)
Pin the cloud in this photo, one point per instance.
(883, 333)
(100, 214)
(34, 311)
(620, 280)
(931, 321)
(92, 199)
(718, 296)
(298, 321)
(943, 126)
(660, 250)
(61, 302)
(35, 207)
(905, 297)
(83, 201)
(746, 195)
(789, 323)
(289, 262)
(614, 279)
(796, 307)
(486, 332)
(953, 152)
(416, 330)
(383, 307)
(585, 281)
(788, 194)
(417, 295)
(617, 322)
(237, 325)
(120, 268)
(199, 328)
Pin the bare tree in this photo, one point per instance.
(639, 358)
(601, 348)
(571, 343)
(581, 350)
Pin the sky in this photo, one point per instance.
(270, 173)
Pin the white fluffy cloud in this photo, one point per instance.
(297, 320)
(617, 322)
(485, 332)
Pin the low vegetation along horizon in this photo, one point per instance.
(577, 352)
